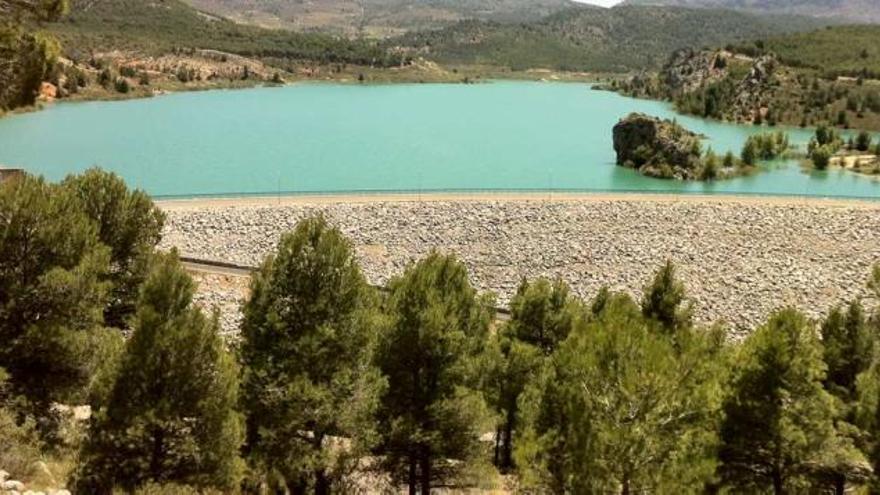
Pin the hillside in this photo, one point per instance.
(160, 26)
(596, 39)
(830, 76)
(837, 51)
(376, 18)
(852, 10)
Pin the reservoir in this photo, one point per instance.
(325, 138)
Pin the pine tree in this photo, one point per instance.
(433, 414)
(542, 316)
(51, 294)
(623, 409)
(663, 300)
(309, 335)
(129, 224)
(171, 413)
(848, 348)
(749, 153)
(779, 432)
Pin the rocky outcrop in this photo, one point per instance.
(751, 92)
(657, 148)
(688, 70)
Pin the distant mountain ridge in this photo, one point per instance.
(376, 18)
(867, 11)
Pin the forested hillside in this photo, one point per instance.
(596, 39)
(853, 10)
(159, 26)
(830, 76)
(377, 18)
(840, 50)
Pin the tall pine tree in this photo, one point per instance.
(171, 414)
(779, 432)
(309, 334)
(433, 413)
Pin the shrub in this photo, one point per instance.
(821, 157)
(122, 85)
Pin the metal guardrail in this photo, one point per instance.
(488, 191)
(501, 314)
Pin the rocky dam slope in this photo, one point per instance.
(740, 258)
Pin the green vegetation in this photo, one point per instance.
(823, 146)
(767, 146)
(624, 406)
(171, 413)
(309, 335)
(666, 150)
(779, 432)
(377, 18)
(594, 39)
(161, 28)
(433, 411)
(25, 57)
(52, 294)
(542, 315)
(835, 51)
(341, 382)
(129, 224)
(828, 76)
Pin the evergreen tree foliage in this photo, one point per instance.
(171, 414)
(542, 315)
(624, 409)
(26, 57)
(664, 300)
(848, 348)
(51, 293)
(309, 336)
(779, 430)
(433, 414)
(129, 224)
(874, 281)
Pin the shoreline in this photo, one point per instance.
(183, 204)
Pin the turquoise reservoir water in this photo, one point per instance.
(325, 138)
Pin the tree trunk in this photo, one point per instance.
(322, 483)
(507, 457)
(297, 487)
(778, 485)
(157, 454)
(425, 468)
(624, 486)
(413, 479)
(498, 439)
(839, 484)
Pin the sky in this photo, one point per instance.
(604, 3)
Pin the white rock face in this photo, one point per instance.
(740, 260)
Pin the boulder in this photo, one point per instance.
(657, 148)
(12, 485)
